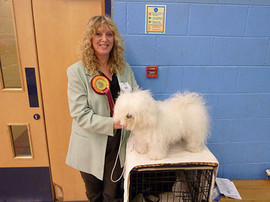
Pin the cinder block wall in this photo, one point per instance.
(221, 49)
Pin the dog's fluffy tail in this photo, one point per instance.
(196, 109)
(189, 98)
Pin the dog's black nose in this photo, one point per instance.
(128, 116)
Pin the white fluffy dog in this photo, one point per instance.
(155, 124)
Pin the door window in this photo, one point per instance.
(20, 141)
(9, 64)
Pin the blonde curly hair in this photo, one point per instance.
(89, 59)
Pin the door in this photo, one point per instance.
(59, 25)
(24, 162)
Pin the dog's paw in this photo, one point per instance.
(141, 149)
(155, 155)
(193, 149)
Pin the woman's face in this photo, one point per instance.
(102, 41)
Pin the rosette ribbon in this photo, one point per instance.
(101, 85)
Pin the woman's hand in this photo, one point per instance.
(117, 125)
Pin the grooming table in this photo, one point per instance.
(186, 176)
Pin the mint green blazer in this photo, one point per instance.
(91, 123)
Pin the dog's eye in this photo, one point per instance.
(129, 116)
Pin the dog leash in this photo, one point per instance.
(117, 156)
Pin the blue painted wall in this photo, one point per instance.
(221, 49)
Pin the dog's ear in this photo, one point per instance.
(146, 110)
(138, 120)
(146, 117)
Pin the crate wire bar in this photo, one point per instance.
(171, 184)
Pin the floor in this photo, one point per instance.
(251, 190)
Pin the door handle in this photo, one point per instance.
(36, 116)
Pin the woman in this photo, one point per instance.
(94, 140)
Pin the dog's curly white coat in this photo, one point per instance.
(155, 124)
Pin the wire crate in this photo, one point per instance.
(179, 177)
(189, 183)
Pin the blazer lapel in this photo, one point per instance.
(118, 76)
(89, 76)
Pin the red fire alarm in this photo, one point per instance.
(152, 71)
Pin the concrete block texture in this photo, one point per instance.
(221, 50)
